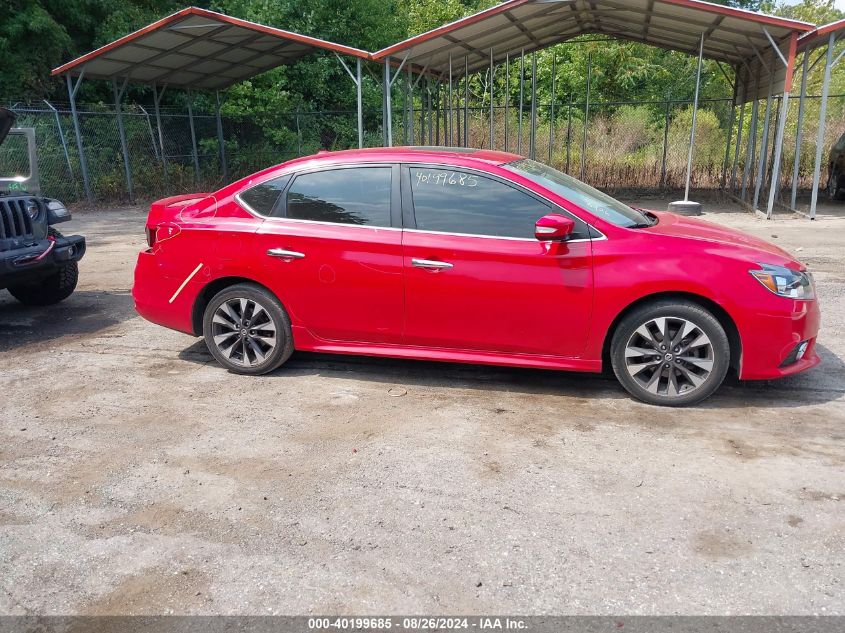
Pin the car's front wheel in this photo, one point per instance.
(670, 353)
(247, 330)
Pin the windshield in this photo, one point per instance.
(599, 204)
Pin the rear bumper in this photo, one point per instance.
(162, 299)
(770, 339)
(28, 265)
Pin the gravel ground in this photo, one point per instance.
(137, 477)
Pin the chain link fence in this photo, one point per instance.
(632, 146)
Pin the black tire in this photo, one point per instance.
(834, 189)
(662, 376)
(57, 287)
(248, 339)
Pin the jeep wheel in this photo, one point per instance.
(57, 287)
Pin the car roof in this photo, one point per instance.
(419, 152)
(462, 155)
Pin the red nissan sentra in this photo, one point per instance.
(471, 256)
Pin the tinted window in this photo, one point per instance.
(262, 198)
(348, 196)
(454, 201)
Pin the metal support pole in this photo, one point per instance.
(359, 102)
(586, 116)
(121, 132)
(466, 101)
(694, 115)
(492, 76)
(751, 149)
(411, 133)
(507, 100)
(799, 132)
(451, 112)
(817, 166)
(774, 187)
(152, 136)
(738, 140)
(61, 137)
(569, 130)
(665, 142)
(386, 82)
(437, 114)
(221, 143)
(552, 108)
(388, 105)
(521, 101)
(156, 102)
(83, 164)
(729, 137)
(764, 143)
(405, 89)
(532, 141)
(428, 106)
(195, 153)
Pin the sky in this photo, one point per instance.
(840, 4)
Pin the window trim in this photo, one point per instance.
(409, 211)
(281, 203)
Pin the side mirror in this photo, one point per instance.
(553, 228)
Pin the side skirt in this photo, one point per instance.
(305, 341)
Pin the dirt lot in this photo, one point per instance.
(136, 476)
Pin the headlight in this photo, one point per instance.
(32, 208)
(785, 282)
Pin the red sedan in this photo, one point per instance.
(476, 257)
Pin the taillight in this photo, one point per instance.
(161, 232)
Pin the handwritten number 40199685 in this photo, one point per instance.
(446, 179)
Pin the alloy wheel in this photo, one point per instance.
(243, 331)
(669, 356)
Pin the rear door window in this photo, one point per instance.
(358, 195)
(262, 199)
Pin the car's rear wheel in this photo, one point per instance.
(670, 353)
(834, 189)
(247, 330)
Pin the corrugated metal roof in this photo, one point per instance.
(819, 36)
(201, 49)
(732, 35)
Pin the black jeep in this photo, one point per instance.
(38, 265)
(836, 170)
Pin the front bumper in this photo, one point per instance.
(39, 260)
(770, 340)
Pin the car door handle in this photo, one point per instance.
(430, 264)
(285, 254)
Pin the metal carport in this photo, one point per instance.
(827, 36)
(194, 49)
(760, 48)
